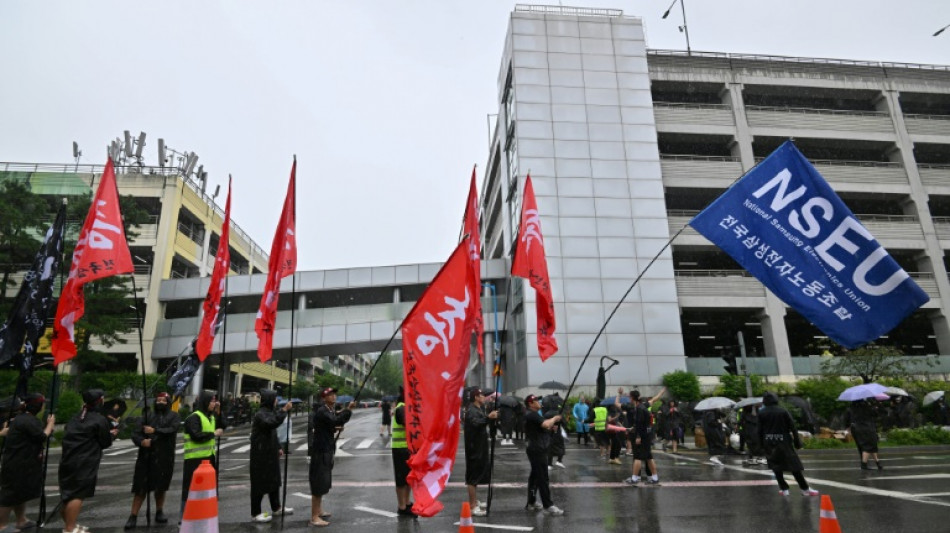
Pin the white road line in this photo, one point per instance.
(920, 476)
(365, 444)
(119, 452)
(837, 484)
(380, 512)
(933, 494)
(301, 448)
(242, 449)
(499, 526)
(235, 468)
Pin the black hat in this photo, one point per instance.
(327, 391)
(532, 398)
(92, 396)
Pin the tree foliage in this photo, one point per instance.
(25, 218)
(872, 362)
(388, 374)
(683, 385)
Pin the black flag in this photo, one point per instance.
(188, 365)
(32, 305)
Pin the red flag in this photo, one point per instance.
(436, 336)
(531, 264)
(471, 235)
(212, 303)
(101, 251)
(283, 262)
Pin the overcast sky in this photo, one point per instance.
(384, 102)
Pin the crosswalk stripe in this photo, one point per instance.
(365, 444)
(243, 449)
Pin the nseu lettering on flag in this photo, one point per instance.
(785, 225)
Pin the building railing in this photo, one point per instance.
(799, 60)
(688, 105)
(815, 111)
(687, 157)
(570, 11)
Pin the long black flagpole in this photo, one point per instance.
(376, 362)
(148, 451)
(491, 454)
(290, 357)
(612, 313)
(224, 357)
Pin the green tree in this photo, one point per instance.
(683, 385)
(872, 362)
(24, 217)
(388, 373)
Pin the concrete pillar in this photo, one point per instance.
(732, 96)
(775, 336)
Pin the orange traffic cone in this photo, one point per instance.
(465, 521)
(201, 509)
(828, 520)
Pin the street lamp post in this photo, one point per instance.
(684, 28)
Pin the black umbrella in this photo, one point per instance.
(555, 385)
(610, 401)
(508, 401)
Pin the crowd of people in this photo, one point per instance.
(625, 423)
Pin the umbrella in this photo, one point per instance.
(748, 401)
(896, 391)
(610, 400)
(931, 397)
(344, 399)
(861, 392)
(508, 401)
(714, 402)
(389, 398)
(556, 385)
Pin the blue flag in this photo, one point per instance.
(784, 224)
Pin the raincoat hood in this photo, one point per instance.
(769, 398)
(204, 400)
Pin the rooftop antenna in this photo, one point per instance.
(139, 145)
(190, 161)
(77, 153)
(127, 145)
(161, 153)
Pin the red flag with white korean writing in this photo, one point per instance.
(436, 336)
(530, 263)
(283, 262)
(470, 234)
(212, 303)
(101, 251)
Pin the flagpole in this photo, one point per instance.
(290, 380)
(376, 362)
(224, 356)
(612, 313)
(148, 451)
(504, 327)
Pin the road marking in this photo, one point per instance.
(933, 494)
(380, 512)
(499, 526)
(365, 444)
(839, 485)
(235, 468)
(242, 449)
(120, 452)
(300, 448)
(920, 476)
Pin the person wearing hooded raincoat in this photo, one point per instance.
(155, 463)
(266, 452)
(715, 435)
(21, 474)
(86, 435)
(779, 439)
(326, 421)
(861, 420)
(201, 428)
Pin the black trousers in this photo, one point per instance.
(257, 496)
(799, 477)
(538, 480)
(616, 442)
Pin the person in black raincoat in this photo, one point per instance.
(861, 420)
(326, 421)
(86, 435)
(749, 432)
(155, 463)
(477, 461)
(21, 474)
(715, 435)
(780, 439)
(209, 407)
(266, 452)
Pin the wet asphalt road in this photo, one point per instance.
(912, 494)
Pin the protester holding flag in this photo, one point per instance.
(538, 434)
(155, 463)
(326, 422)
(87, 434)
(477, 466)
(21, 470)
(201, 428)
(265, 457)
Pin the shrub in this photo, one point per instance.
(928, 434)
(734, 386)
(682, 385)
(823, 394)
(826, 444)
(67, 406)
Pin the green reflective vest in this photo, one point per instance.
(399, 431)
(600, 418)
(200, 450)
